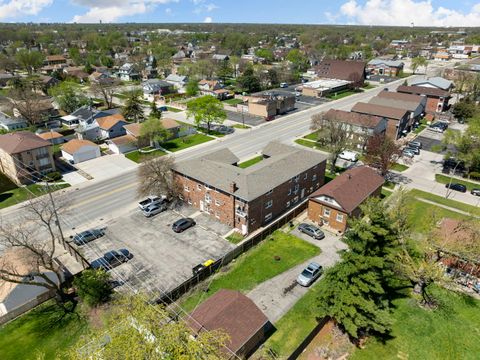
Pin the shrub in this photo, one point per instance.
(93, 286)
(474, 175)
(53, 176)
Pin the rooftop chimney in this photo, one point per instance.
(233, 187)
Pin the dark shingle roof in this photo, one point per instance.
(422, 90)
(379, 110)
(14, 143)
(341, 69)
(351, 188)
(353, 118)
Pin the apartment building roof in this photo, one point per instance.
(18, 142)
(341, 69)
(422, 90)
(353, 118)
(379, 110)
(280, 164)
(395, 103)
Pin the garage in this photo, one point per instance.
(76, 151)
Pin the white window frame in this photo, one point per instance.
(268, 217)
(326, 212)
(305, 177)
(199, 187)
(339, 218)
(217, 202)
(270, 192)
(208, 198)
(314, 177)
(186, 188)
(288, 204)
(268, 204)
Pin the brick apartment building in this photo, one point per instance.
(268, 104)
(437, 99)
(334, 203)
(23, 155)
(249, 198)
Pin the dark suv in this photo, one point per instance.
(87, 236)
(182, 224)
(456, 187)
(112, 259)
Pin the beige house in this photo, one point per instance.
(24, 156)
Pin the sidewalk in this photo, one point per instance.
(278, 295)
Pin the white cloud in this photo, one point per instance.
(405, 12)
(201, 6)
(168, 11)
(14, 8)
(208, 19)
(111, 10)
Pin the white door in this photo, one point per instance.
(202, 206)
(244, 229)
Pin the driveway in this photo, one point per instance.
(106, 166)
(277, 295)
(162, 258)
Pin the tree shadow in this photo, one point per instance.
(5, 196)
(51, 317)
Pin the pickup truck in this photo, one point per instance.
(151, 200)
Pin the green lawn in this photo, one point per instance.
(342, 94)
(235, 237)
(449, 332)
(310, 144)
(448, 202)
(138, 157)
(313, 136)
(42, 330)
(172, 109)
(212, 132)
(250, 162)
(443, 179)
(233, 102)
(15, 196)
(185, 142)
(256, 266)
(419, 129)
(399, 167)
(241, 126)
(368, 87)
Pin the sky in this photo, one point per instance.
(462, 13)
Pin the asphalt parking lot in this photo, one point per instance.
(431, 139)
(162, 259)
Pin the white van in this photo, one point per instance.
(348, 155)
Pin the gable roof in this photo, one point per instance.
(351, 188)
(75, 144)
(379, 110)
(400, 96)
(167, 123)
(390, 63)
(14, 143)
(107, 122)
(280, 164)
(341, 69)
(422, 90)
(436, 81)
(353, 118)
(395, 103)
(50, 135)
(232, 312)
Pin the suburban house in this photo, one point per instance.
(220, 57)
(122, 144)
(12, 123)
(101, 77)
(207, 87)
(353, 71)
(385, 67)
(268, 104)
(323, 87)
(76, 151)
(398, 119)
(340, 199)
(43, 108)
(150, 70)
(436, 82)
(128, 72)
(437, 99)
(362, 126)
(51, 60)
(442, 56)
(5, 78)
(249, 198)
(178, 81)
(76, 72)
(23, 155)
(415, 104)
(111, 126)
(52, 136)
(171, 125)
(152, 88)
(235, 314)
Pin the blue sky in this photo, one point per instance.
(364, 12)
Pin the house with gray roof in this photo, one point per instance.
(384, 67)
(248, 198)
(178, 81)
(435, 82)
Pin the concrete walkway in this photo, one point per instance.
(277, 295)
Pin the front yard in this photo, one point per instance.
(254, 267)
(233, 102)
(138, 156)
(42, 330)
(185, 142)
(444, 179)
(20, 194)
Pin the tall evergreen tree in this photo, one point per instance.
(133, 110)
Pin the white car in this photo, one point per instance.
(154, 209)
(348, 155)
(151, 200)
(310, 274)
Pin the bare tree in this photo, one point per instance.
(157, 178)
(34, 238)
(382, 153)
(104, 91)
(334, 135)
(26, 98)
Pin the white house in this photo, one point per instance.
(122, 144)
(127, 72)
(10, 123)
(178, 81)
(76, 151)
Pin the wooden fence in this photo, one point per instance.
(244, 246)
(76, 255)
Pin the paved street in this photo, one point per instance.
(277, 295)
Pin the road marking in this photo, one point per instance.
(95, 198)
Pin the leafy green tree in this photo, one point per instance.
(133, 109)
(357, 292)
(191, 88)
(206, 109)
(267, 54)
(418, 62)
(248, 81)
(134, 329)
(93, 286)
(74, 53)
(298, 60)
(29, 60)
(68, 96)
(464, 109)
(224, 70)
(155, 112)
(106, 61)
(153, 130)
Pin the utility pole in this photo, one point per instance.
(57, 220)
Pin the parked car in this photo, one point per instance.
(456, 187)
(111, 259)
(298, 93)
(415, 144)
(408, 153)
(182, 224)
(311, 230)
(283, 85)
(475, 192)
(439, 126)
(348, 155)
(87, 236)
(415, 150)
(154, 209)
(198, 268)
(310, 274)
(151, 200)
